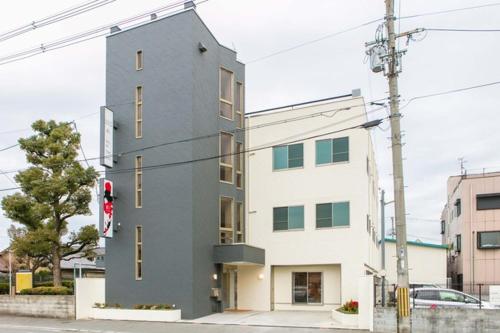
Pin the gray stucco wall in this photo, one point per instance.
(449, 320)
(62, 307)
(180, 212)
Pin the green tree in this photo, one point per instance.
(54, 189)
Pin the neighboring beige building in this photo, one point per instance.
(312, 205)
(427, 262)
(471, 227)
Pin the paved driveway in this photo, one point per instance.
(311, 319)
(9, 324)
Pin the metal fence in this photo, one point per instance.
(385, 295)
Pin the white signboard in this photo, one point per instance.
(107, 137)
(495, 295)
(106, 211)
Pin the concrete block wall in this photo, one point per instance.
(449, 320)
(62, 307)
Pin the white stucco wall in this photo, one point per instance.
(330, 287)
(88, 291)
(351, 247)
(426, 264)
(254, 288)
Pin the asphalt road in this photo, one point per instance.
(11, 324)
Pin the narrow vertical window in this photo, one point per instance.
(240, 224)
(138, 252)
(239, 165)
(138, 112)
(226, 220)
(238, 102)
(138, 60)
(226, 157)
(138, 181)
(226, 94)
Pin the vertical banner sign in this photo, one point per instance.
(106, 137)
(106, 209)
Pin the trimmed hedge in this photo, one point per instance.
(67, 283)
(153, 307)
(4, 288)
(47, 291)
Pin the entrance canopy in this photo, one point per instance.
(238, 254)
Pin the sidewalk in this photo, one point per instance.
(11, 324)
(304, 319)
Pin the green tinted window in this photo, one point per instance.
(296, 217)
(323, 215)
(285, 218)
(332, 150)
(340, 149)
(296, 155)
(280, 157)
(340, 214)
(285, 157)
(323, 151)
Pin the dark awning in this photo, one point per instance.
(238, 254)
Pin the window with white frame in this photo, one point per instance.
(226, 94)
(138, 181)
(138, 252)
(240, 223)
(226, 157)
(226, 220)
(138, 60)
(138, 112)
(238, 105)
(240, 162)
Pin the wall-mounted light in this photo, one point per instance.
(214, 276)
(261, 276)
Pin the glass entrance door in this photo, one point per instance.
(229, 286)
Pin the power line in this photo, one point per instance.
(453, 91)
(495, 4)
(267, 146)
(94, 33)
(461, 30)
(360, 26)
(314, 41)
(54, 18)
(298, 118)
(9, 147)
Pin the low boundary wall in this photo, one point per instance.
(62, 307)
(444, 320)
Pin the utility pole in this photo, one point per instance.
(403, 300)
(385, 57)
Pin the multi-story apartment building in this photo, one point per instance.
(177, 99)
(471, 227)
(312, 205)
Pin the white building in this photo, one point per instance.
(311, 204)
(427, 263)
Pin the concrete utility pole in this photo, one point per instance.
(397, 166)
(385, 57)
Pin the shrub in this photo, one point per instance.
(46, 291)
(153, 307)
(4, 288)
(350, 307)
(67, 283)
(107, 306)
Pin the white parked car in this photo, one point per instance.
(445, 298)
